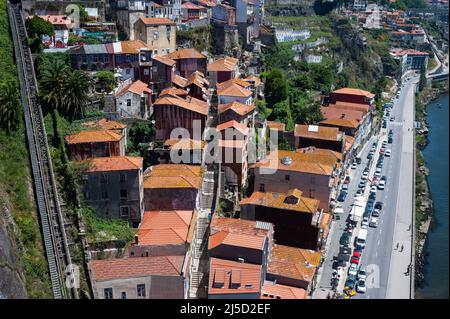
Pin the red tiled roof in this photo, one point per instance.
(238, 226)
(331, 112)
(237, 107)
(93, 136)
(317, 132)
(234, 90)
(351, 106)
(191, 104)
(247, 277)
(276, 125)
(105, 124)
(164, 59)
(341, 122)
(352, 91)
(173, 91)
(137, 87)
(233, 124)
(276, 291)
(190, 5)
(157, 21)
(189, 53)
(133, 46)
(179, 80)
(114, 163)
(173, 176)
(164, 227)
(122, 268)
(236, 239)
(226, 64)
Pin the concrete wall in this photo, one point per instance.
(138, 108)
(156, 37)
(169, 198)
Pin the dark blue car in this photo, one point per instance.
(342, 196)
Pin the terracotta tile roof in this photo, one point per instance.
(105, 124)
(198, 79)
(353, 91)
(235, 125)
(341, 122)
(331, 112)
(157, 21)
(256, 81)
(137, 87)
(276, 125)
(57, 19)
(179, 80)
(292, 201)
(312, 163)
(292, 262)
(122, 268)
(190, 104)
(164, 227)
(322, 155)
(114, 163)
(234, 90)
(173, 91)
(317, 132)
(133, 46)
(401, 52)
(173, 176)
(93, 136)
(164, 59)
(237, 226)
(222, 273)
(237, 107)
(351, 106)
(226, 84)
(226, 64)
(349, 140)
(190, 5)
(276, 291)
(184, 144)
(189, 53)
(235, 239)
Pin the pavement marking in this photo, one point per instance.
(378, 242)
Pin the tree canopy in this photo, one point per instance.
(275, 88)
(36, 26)
(10, 111)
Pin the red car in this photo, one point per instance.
(347, 180)
(356, 257)
(382, 150)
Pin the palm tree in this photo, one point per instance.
(76, 93)
(9, 105)
(52, 82)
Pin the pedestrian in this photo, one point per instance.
(402, 248)
(397, 246)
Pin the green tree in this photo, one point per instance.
(9, 105)
(282, 113)
(140, 132)
(36, 26)
(105, 79)
(76, 88)
(423, 79)
(262, 109)
(275, 88)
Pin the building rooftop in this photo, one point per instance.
(137, 87)
(271, 290)
(241, 83)
(192, 6)
(122, 268)
(184, 144)
(179, 80)
(235, 239)
(254, 80)
(189, 53)
(292, 262)
(292, 200)
(173, 176)
(164, 227)
(331, 112)
(164, 59)
(309, 162)
(364, 108)
(105, 124)
(93, 136)
(234, 90)
(317, 132)
(230, 277)
(157, 21)
(351, 123)
(241, 128)
(353, 91)
(173, 91)
(238, 226)
(133, 46)
(191, 104)
(226, 64)
(276, 125)
(57, 19)
(114, 163)
(237, 107)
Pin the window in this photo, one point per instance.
(106, 59)
(84, 59)
(146, 71)
(124, 295)
(86, 195)
(261, 187)
(127, 71)
(155, 35)
(108, 293)
(123, 177)
(128, 102)
(95, 58)
(287, 177)
(123, 193)
(141, 290)
(124, 211)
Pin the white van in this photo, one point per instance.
(361, 238)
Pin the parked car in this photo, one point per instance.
(362, 272)
(353, 270)
(365, 222)
(373, 222)
(378, 205)
(354, 165)
(373, 189)
(380, 164)
(382, 149)
(370, 155)
(384, 143)
(345, 239)
(345, 187)
(390, 140)
(381, 184)
(373, 195)
(365, 175)
(384, 125)
(362, 184)
(342, 196)
(392, 119)
(358, 193)
(356, 257)
(358, 160)
(388, 153)
(361, 286)
(376, 213)
(350, 282)
(347, 179)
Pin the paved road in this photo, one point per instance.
(385, 263)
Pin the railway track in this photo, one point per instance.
(49, 204)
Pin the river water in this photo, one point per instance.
(437, 160)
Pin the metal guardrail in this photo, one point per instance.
(47, 198)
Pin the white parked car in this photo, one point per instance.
(365, 175)
(353, 165)
(373, 189)
(384, 143)
(381, 184)
(361, 273)
(373, 222)
(353, 269)
(361, 286)
(387, 153)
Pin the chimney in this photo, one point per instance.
(342, 115)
